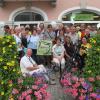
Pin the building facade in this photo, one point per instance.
(20, 12)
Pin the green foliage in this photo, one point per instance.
(92, 68)
(9, 70)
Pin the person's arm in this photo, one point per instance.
(30, 68)
(66, 54)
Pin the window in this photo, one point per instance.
(81, 16)
(29, 16)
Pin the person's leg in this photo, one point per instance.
(56, 61)
(34, 52)
(63, 63)
(42, 68)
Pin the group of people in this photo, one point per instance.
(67, 42)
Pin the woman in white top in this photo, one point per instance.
(58, 53)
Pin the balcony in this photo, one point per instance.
(52, 2)
(30, 0)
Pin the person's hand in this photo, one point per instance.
(36, 67)
(60, 58)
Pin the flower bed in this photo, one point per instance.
(79, 88)
(12, 85)
(30, 89)
(86, 87)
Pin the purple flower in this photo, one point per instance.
(98, 96)
(98, 90)
(87, 97)
(85, 85)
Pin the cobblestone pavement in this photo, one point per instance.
(57, 91)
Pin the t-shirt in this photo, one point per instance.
(33, 41)
(25, 63)
(58, 50)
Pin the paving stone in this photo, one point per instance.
(57, 91)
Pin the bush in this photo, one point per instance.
(92, 68)
(9, 70)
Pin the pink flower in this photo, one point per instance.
(15, 91)
(38, 81)
(35, 87)
(76, 85)
(20, 98)
(91, 79)
(29, 91)
(82, 98)
(74, 92)
(38, 95)
(45, 86)
(28, 97)
(81, 80)
(20, 81)
(74, 78)
(93, 95)
(67, 75)
(24, 94)
(43, 91)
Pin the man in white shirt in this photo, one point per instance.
(29, 66)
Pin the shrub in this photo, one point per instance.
(9, 70)
(92, 68)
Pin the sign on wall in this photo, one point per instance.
(44, 47)
(83, 17)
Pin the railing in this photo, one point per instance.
(30, 0)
